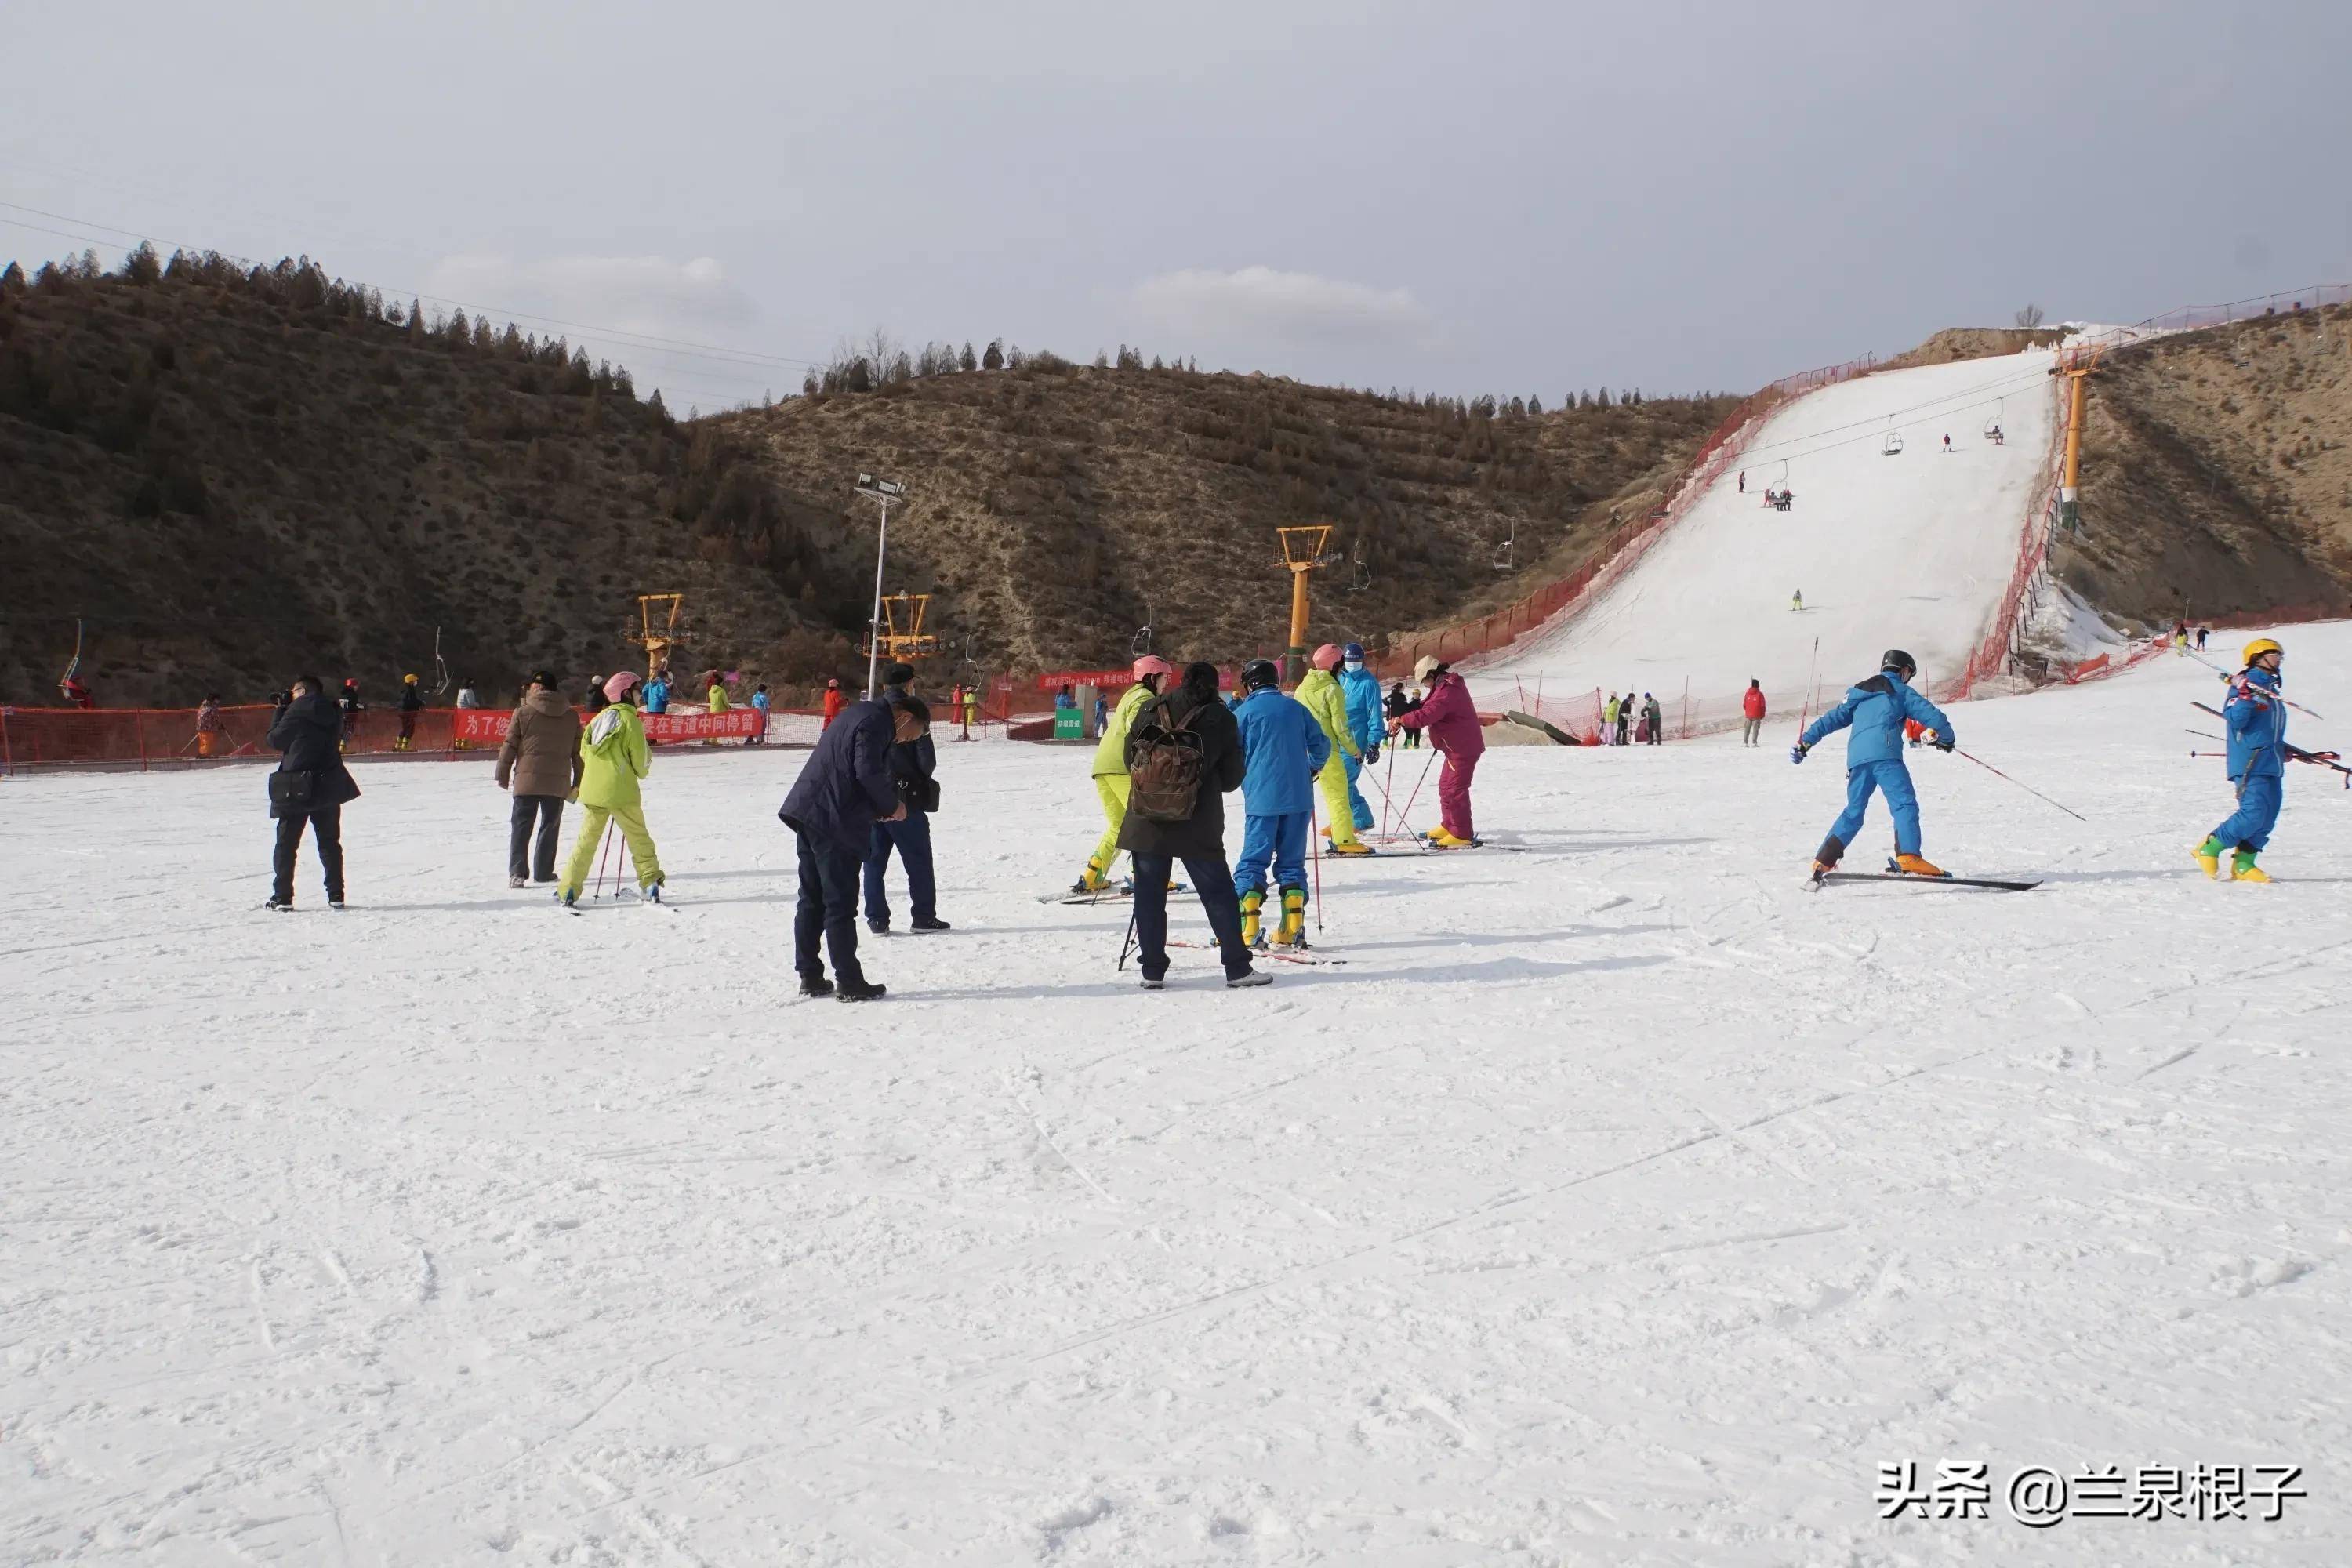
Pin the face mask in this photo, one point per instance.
(1355, 664)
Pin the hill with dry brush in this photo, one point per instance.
(231, 474)
(2217, 473)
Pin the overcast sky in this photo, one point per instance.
(1527, 198)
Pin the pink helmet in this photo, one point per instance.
(1327, 657)
(618, 687)
(1151, 664)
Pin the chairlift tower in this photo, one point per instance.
(660, 627)
(1305, 548)
(2076, 365)
(882, 491)
(898, 627)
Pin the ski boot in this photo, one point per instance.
(1093, 879)
(1253, 925)
(2243, 869)
(2208, 857)
(1353, 847)
(1438, 839)
(1292, 930)
(1914, 866)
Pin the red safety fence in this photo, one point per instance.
(170, 737)
(1622, 547)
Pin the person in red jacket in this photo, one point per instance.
(1752, 705)
(1452, 720)
(833, 702)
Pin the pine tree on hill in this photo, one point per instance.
(967, 360)
(994, 358)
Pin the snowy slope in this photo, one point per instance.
(1618, 1202)
(1911, 551)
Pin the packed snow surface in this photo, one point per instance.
(1617, 1202)
(1912, 550)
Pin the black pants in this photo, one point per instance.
(327, 833)
(525, 859)
(911, 837)
(828, 904)
(1212, 878)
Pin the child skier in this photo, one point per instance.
(1876, 709)
(2256, 719)
(1283, 748)
(1323, 697)
(613, 757)
(1363, 689)
(1110, 769)
(1452, 720)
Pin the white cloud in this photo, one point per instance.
(1261, 304)
(651, 295)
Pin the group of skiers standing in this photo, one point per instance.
(1625, 722)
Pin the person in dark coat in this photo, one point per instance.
(1396, 704)
(310, 785)
(1199, 841)
(412, 703)
(352, 707)
(845, 788)
(912, 769)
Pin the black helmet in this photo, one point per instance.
(1896, 659)
(1260, 672)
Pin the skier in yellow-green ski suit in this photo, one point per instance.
(1325, 699)
(1110, 769)
(614, 756)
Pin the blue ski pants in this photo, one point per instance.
(2259, 798)
(1356, 796)
(911, 836)
(1279, 840)
(1893, 780)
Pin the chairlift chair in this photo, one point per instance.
(1893, 445)
(1361, 578)
(1992, 425)
(1503, 552)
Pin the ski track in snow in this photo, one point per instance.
(1617, 1202)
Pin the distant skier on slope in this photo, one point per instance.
(1283, 748)
(1452, 720)
(1797, 600)
(1751, 709)
(1322, 696)
(412, 702)
(1110, 769)
(1876, 710)
(2256, 719)
(1364, 723)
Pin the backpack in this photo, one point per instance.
(1164, 769)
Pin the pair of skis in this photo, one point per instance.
(1892, 874)
(1122, 894)
(1299, 954)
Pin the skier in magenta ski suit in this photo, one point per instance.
(1452, 720)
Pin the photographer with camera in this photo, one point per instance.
(310, 785)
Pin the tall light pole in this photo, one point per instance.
(884, 491)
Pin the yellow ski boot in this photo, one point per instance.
(1292, 931)
(1093, 879)
(1253, 926)
(1441, 839)
(1914, 866)
(2208, 856)
(2243, 869)
(1353, 847)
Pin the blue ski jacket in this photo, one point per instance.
(1362, 689)
(2257, 725)
(1284, 748)
(1876, 709)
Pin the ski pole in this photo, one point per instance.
(2317, 759)
(2027, 788)
(1806, 711)
(2225, 675)
(1315, 849)
(604, 851)
(1129, 940)
(1404, 817)
(1386, 798)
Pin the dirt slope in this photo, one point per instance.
(2217, 473)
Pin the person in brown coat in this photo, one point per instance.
(541, 760)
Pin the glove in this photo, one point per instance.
(1797, 753)
(1372, 755)
(1941, 743)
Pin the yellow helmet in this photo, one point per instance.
(2259, 646)
(409, 680)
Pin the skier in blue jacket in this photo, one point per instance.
(1283, 748)
(1876, 710)
(2256, 719)
(1362, 689)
